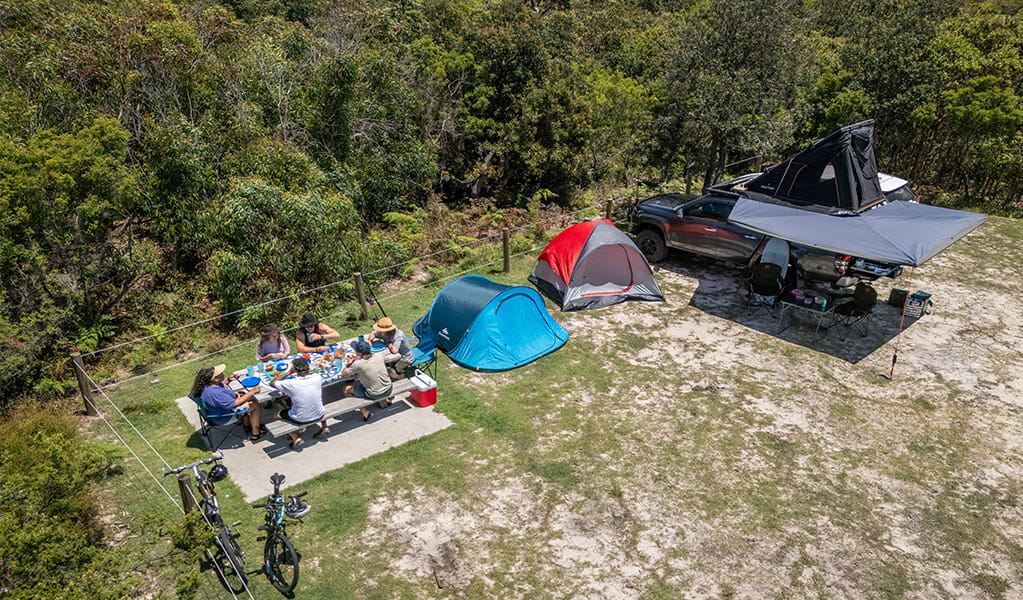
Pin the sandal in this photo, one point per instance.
(258, 436)
(296, 443)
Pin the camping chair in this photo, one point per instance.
(424, 356)
(777, 251)
(207, 427)
(858, 312)
(765, 286)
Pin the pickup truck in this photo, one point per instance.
(699, 224)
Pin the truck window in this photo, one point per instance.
(717, 211)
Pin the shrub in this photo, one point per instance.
(51, 538)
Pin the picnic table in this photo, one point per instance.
(328, 367)
(320, 363)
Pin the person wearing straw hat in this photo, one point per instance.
(312, 335)
(399, 355)
(306, 393)
(222, 403)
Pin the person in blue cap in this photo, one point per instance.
(372, 381)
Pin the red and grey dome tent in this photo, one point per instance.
(593, 264)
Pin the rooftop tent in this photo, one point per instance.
(836, 173)
(903, 233)
(486, 326)
(591, 265)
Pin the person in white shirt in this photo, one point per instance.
(306, 393)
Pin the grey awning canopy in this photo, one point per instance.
(900, 233)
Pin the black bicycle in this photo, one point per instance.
(229, 558)
(280, 561)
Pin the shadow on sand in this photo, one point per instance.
(721, 292)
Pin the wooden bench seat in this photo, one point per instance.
(336, 408)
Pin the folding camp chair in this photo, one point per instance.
(424, 356)
(765, 286)
(227, 429)
(858, 312)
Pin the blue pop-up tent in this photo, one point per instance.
(487, 326)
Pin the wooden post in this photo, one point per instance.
(607, 209)
(185, 489)
(506, 241)
(360, 289)
(83, 384)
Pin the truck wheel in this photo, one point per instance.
(651, 243)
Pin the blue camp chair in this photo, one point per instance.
(208, 427)
(424, 356)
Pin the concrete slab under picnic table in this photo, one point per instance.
(252, 463)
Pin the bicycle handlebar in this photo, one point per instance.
(216, 457)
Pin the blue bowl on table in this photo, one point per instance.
(378, 347)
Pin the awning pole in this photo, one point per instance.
(898, 336)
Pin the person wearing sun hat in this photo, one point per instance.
(306, 393)
(399, 351)
(222, 402)
(312, 335)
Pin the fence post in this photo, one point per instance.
(607, 209)
(185, 489)
(83, 384)
(505, 240)
(360, 289)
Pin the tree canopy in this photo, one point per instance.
(164, 160)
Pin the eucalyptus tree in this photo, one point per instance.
(732, 86)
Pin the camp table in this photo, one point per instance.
(818, 312)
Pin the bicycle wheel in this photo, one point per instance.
(229, 559)
(280, 562)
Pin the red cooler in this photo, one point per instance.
(425, 393)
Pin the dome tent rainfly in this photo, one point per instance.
(591, 265)
(490, 327)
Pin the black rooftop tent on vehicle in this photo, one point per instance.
(833, 174)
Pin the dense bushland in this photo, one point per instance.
(53, 541)
(162, 161)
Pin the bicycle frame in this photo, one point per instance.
(280, 561)
(210, 508)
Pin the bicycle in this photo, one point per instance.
(229, 557)
(280, 561)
